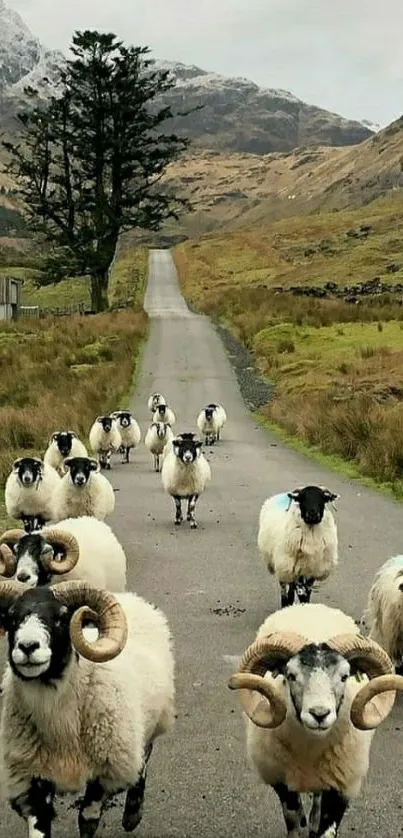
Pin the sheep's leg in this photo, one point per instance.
(333, 809)
(178, 516)
(35, 805)
(29, 523)
(293, 811)
(192, 500)
(218, 435)
(156, 462)
(284, 594)
(108, 460)
(91, 808)
(133, 811)
(127, 460)
(304, 589)
(314, 815)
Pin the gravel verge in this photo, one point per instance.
(255, 390)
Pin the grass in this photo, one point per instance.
(337, 367)
(61, 373)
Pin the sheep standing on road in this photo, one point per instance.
(164, 414)
(29, 492)
(298, 540)
(185, 475)
(105, 439)
(79, 715)
(384, 613)
(209, 423)
(155, 400)
(76, 548)
(63, 444)
(83, 491)
(129, 430)
(157, 437)
(312, 730)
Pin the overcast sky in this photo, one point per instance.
(345, 56)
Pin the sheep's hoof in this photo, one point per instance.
(131, 820)
(178, 522)
(193, 525)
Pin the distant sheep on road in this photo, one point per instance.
(185, 475)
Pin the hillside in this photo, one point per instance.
(238, 190)
(237, 114)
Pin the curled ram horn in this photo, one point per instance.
(100, 607)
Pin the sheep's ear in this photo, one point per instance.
(17, 463)
(73, 434)
(176, 449)
(198, 444)
(67, 462)
(54, 436)
(294, 495)
(94, 465)
(330, 496)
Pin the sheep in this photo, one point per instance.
(157, 437)
(75, 548)
(63, 444)
(83, 491)
(155, 400)
(105, 439)
(185, 474)
(80, 715)
(164, 414)
(209, 423)
(297, 540)
(312, 731)
(29, 491)
(384, 612)
(129, 430)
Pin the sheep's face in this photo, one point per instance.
(30, 550)
(209, 413)
(39, 644)
(187, 450)
(29, 470)
(312, 501)
(316, 679)
(161, 408)
(125, 419)
(161, 428)
(64, 441)
(80, 469)
(106, 422)
(157, 399)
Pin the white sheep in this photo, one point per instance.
(29, 491)
(75, 548)
(384, 613)
(129, 430)
(63, 444)
(154, 401)
(105, 439)
(313, 691)
(164, 414)
(298, 541)
(209, 423)
(156, 439)
(83, 491)
(81, 722)
(185, 474)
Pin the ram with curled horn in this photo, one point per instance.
(75, 548)
(81, 703)
(313, 691)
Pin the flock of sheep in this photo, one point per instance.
(89, 682)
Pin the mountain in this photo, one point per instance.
(237, 115)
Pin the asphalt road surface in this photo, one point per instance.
(215, 591)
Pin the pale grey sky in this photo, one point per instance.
(345, 56)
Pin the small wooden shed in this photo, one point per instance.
(10, 297)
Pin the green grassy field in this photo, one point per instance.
(62, 372)
(337, 367)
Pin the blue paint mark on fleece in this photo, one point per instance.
(282, 501)
(395, 561)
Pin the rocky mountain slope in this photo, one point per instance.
(237, 114)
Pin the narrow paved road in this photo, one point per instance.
(215, 591)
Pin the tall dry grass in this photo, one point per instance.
(61, 373)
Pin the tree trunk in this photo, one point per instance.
(99, 292)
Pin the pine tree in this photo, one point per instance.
(91, 158)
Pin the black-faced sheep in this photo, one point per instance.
(76, 548)
(83, 491)
(129, 430)
(297, 539)
(105, 439)
(29, 491)
(164, 414)
(157, 437)
(185, 475)
(311, 711)
(155, 400)
(80, 715)
(63, 444)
